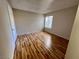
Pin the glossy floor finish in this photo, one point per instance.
(40, 45)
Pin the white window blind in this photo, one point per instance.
(48, 21)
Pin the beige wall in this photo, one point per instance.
(27, 22)
(63, 21)
(73, 48)
(6, 43)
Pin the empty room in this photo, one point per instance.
(39, 29)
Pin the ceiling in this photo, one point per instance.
(42, 6)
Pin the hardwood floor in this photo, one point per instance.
(40, 45)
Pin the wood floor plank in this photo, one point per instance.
(40, 45)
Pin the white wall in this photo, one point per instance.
(63, 21)
(27, 22)
(73, 47)
(6, 46)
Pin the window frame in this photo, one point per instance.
(48, 27)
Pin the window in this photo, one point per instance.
(48, 21)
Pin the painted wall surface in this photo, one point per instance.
(6, 43)
(27, 22)
(73, 47)
(63, 21)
